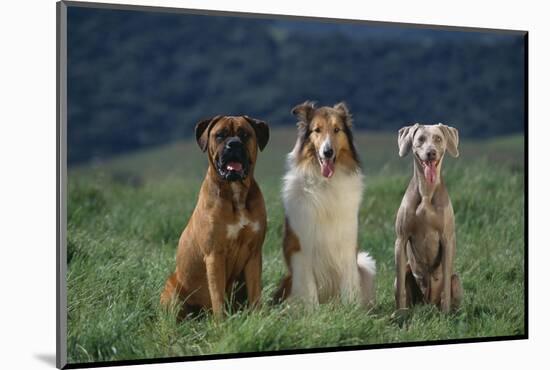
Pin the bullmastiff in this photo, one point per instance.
(219, 252)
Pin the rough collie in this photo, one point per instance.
(322, 192)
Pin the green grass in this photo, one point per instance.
(125, 217)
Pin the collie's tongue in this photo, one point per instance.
(327, 167)
(430, 172)
(234, 166)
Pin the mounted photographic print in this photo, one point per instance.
(236, 185)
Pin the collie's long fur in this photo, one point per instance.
(322, 193)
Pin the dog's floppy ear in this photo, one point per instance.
(451, 135)
(304, 112)
(404, 139)
(262, 131)
(342, 108)
(202, 131)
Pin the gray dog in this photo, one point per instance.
(425, 224)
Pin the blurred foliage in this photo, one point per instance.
(137, 79)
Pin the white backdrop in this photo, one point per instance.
(27, 184)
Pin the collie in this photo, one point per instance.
(322, 192)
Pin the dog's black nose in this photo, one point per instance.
(328, 152)
(233, 143)
(431, 155)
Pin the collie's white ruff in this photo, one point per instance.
(323, 213)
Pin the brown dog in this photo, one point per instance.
(220, 247)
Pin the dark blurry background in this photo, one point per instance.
(138, 79)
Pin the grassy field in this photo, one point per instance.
(125, 217)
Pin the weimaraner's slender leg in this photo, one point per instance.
(448, 246)
(414, 293)
(401, 267)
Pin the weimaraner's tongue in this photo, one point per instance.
(430, 172)
(327, 168)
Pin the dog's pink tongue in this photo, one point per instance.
(327, 168)
(234, 166)
(430, 172)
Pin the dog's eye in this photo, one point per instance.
(243, 135)
(220, 135)
(336, 130)
(438, 139)
(422, 139)
(317, 130)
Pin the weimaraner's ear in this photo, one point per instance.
(451, 136)
(342, 108)
(202, 131)
(262, 131)
(404, 139)
(304, 112)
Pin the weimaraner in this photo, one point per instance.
(425, 225)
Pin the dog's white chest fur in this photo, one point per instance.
(234, 229)
(323, 213)
(243, 220)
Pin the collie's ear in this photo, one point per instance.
(405, 138)
(202, 131)
(304, 111)
(451, 136)
(262, 131)
(342, 108)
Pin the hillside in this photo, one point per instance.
(141, 79)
